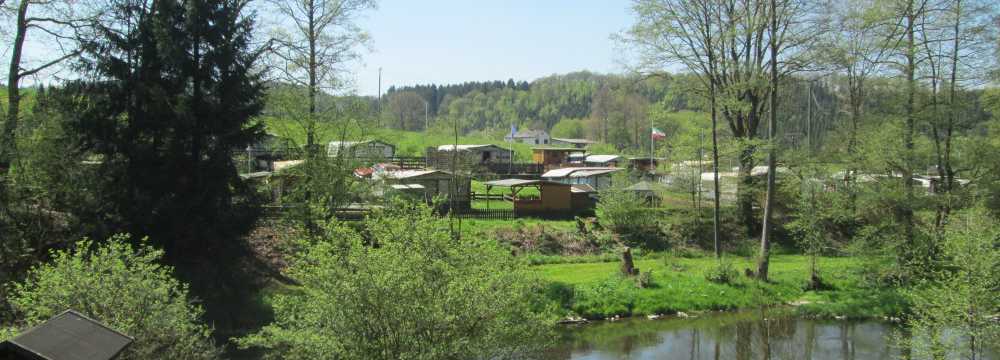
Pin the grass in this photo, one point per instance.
(595, 290)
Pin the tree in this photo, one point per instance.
(172, 92)
(404, 288)
(764, 258)
(62, 24)
(314, 41)
(124, 287)
(726, 45)
(407, 109)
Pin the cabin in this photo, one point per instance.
(69, 335)
(531, 137)
(598, 178)
(555, 199)
(367, 149)
(568, 142)
(435, 183)
(551, 156)
(602, 160)
(644, 163)
(486, 153)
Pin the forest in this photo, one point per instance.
(832, 160)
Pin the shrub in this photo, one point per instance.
(125, 288)
(722, 273)
(407, 289)
(635, 226)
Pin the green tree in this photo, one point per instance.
(172, 94)
(124, 287)
(568, 128)
(952, 311)
(404, 288)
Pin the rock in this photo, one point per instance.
(840, 317)
(653, 316)
(682, 314)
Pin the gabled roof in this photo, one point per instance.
(70, 336)
(601, 158)
(578, 172)
(575, 141)
(467, 147)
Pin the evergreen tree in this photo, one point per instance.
(173, 93)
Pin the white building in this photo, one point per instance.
(532, 137)
(597, 177)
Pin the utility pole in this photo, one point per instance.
(426, 107)
(378, 99)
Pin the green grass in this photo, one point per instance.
(595, 290)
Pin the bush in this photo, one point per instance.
(635, 226)
(405, 288)
(123, 287)
(722, 273)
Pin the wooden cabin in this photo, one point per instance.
(435, 183)
(554, 198)
(552, 156)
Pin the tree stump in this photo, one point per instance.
(628, 267)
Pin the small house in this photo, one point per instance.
(532, 137)
(555, 199)
(602, 160)
(435, 183)
(567, 142)
(551, 156)
(367, 149)
(69, 335)
(597, 177)
(486, 153)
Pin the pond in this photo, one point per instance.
(772, 334)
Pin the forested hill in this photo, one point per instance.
(598, 100)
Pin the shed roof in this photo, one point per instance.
(601, 158)
(521, 182)
(69, 336)
(575, 141)
(461, 147)
(572, 172)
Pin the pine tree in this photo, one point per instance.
(174, 91)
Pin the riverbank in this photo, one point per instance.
(596, 291)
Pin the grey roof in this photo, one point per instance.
(646, 186)
(461, 147)
(575, 141)
(601, 158)
(578, 172)
(528, 134)
(69, 336)
(520, 182)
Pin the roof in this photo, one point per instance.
(528, 134)
(644, 158)
(339, 144)
(553, 148)
(520, 182)
(578, 172)
(582, 188)
(601, 158)
(575, 141)
(645, 186)
(281, 165)
(407, 186)
(466, 147)
(255, 175)
(409, 174)
(70, 336)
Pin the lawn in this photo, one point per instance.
(595, 290)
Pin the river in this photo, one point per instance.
(774, 334)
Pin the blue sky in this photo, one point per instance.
(452, 41)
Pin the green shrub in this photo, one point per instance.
(405, 288)
(615, 295)
(125, 288)
(722, 273)
(635, 226)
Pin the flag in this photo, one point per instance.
(658, 134)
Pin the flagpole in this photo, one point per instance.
(652, 141)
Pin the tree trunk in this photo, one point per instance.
(715, 174)
(765, 239)
(628, 266)
(906, 211)
(8, 141)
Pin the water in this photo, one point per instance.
(743, 335)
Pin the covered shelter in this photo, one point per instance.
(596, 177)
(648, 192)
(554, 198)
(434, 183)
(552, 156)
(577, 143)
(67, 336)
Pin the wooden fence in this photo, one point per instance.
(486, 214)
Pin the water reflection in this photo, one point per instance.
(742, 336)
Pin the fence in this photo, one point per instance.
(486, 214)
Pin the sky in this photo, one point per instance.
(453, 41)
